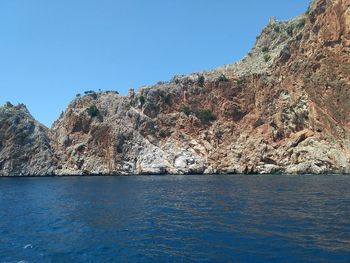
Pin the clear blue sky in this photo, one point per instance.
(50, 50)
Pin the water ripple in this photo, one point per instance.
(175, 218)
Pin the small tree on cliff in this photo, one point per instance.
(205, 116)
(142, 100)
(93, 111)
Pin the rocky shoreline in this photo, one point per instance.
(283, 109)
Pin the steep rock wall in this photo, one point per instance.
(283, 109)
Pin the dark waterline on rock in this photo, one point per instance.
(175, 218)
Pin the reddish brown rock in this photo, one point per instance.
(283, 109)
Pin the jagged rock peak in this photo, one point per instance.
(24, 143)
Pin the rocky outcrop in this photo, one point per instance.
(283, 109)
(119, 139)
(24, 144)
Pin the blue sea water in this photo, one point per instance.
(175, 219)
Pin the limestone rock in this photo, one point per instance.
(283, 109)
(24, 144)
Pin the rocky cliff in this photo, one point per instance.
(283, 109)
(24, 144)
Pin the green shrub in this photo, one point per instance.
(164, 133)
(241, 82)
(301, 23)
(142, 100)
(267, 58)
(276, 28)
(299, 37)
(8, 104)
(265, 49)
(93, 111)
(91, 93)
(223, 78)
(78, 95)
(166, 98)
(205, 116)
(186, 110)
(258, 122)
(112, 91)
(290, 30)
(201, 81)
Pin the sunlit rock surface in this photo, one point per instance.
(283, 109)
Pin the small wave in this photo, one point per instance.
(28, 246)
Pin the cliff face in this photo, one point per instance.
(24, 144)
(283, 108)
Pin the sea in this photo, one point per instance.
(192, 218)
